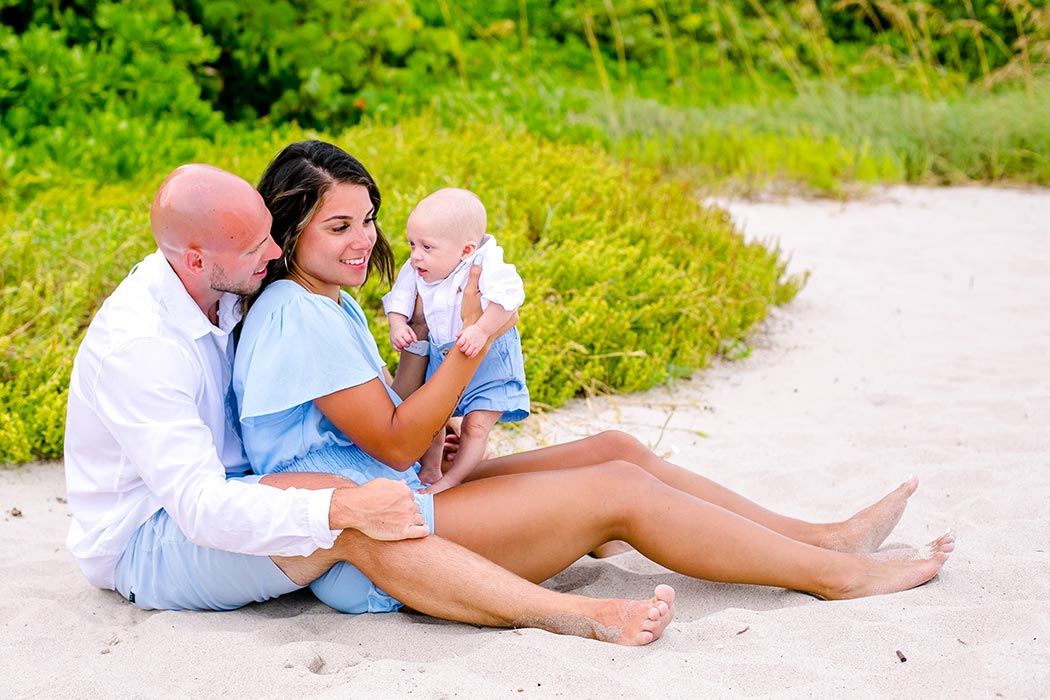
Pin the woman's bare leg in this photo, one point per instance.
(536, 524)
(864, 532)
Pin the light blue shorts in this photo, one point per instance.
(499, 382)
(162, 570)
(344, 587)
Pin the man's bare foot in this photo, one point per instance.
(626, 622)
(636, 622)
(868, 529)
(610, 549)
(893, 571)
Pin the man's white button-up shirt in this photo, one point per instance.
(151, 425)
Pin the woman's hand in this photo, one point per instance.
(418, 323)
(470, 309)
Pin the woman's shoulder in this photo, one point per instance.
(351, 305)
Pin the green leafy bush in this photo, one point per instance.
(630, 281)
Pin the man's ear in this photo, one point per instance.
(468, 250)
(193, 259)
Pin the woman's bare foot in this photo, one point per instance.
(627, 622)
(868, 529)
(893, 570)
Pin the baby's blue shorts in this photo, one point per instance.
(498, 384)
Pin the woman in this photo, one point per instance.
(314, 396)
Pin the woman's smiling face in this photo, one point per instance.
(334, 248)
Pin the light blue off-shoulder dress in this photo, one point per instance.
(297, 346)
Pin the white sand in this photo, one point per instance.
(921, 344)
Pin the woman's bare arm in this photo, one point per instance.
(412, 369)
(398, 436)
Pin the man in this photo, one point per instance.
(164, 510)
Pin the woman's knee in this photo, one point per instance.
(625, 477)
(622, 491)
(618, 445)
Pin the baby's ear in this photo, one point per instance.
(468, 250)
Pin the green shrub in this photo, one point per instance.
(630, 281)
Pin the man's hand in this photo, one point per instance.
(383, 509)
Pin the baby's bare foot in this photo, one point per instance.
(893, 570)
(869, 528)
(429, 474)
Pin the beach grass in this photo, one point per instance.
(630, 280)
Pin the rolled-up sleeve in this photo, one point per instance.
(500, 282)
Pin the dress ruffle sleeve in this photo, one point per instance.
(303, 349)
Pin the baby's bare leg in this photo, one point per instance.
(430, 462)
(473, 443)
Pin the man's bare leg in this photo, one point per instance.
(442, 579)
(863, 532)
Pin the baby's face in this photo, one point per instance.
(435, 254)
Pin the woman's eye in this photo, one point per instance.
(340, 228)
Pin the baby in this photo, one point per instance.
(446, 232)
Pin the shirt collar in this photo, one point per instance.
(174, 296)
(461, 272)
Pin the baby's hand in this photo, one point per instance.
(471, 340)
(401, 336)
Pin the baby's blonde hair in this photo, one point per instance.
(453, 211)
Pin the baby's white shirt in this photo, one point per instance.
(499, 284)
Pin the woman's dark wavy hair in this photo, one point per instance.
(293, 187)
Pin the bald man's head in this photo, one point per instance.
(201, 206)
(214, 229)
